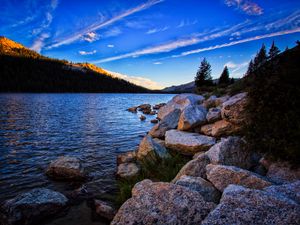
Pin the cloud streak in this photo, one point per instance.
(157, 30)
(248, 7)
(96, 26)
(87, 53)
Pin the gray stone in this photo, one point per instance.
(282, 172)
(192, 116)
(162, 203)
(128, 170)
(290, 190)
(188, 143)
(243, 206)
(221, 176)
(205, 188)
(32, 207)
(213, 115)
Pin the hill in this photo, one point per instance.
(24, 70)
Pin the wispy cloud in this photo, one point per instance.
(157, 30)
(258, 37)
(110, 46)
(157, 63)
(113, 32)
(236, 68)
(184, 23)
(96, 26)
(87, 53)
(90, 37)
(246, 6)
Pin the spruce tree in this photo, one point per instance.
(274, 51)
(260, 58)
(224, 78)
(203, 76)
(250, 69)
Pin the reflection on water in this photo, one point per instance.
(37, 128)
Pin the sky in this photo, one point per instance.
(154, 43)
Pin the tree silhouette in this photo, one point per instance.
(260, 58)
(274, 51)
(203, 76)
(224, 78)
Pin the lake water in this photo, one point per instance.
(37, 128)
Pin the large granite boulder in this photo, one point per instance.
(221, 176)
(282, 172)
(66, 168)
(230, 151)
(205, 188)
(188, 143)
(32, 207)
(220, 128)
(243, 206)
(126, 157)
(179, 102)
(213, 115)
(149, 149)
(233, 110)
(170, 121)
(192, 116)
(290, 190)
(162, 203)
(128, 171)
(194, 168)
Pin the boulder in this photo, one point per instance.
(154, 121)
(194, 168)
(220, 128)
(219, 101)
(32, 207)
(282, 172)
(152, 113)
(231, 152)
(126, 157)
(205, 188)
(290, 190)
(142, 118)
(188, 143)
(192, 116)
(105, 210)
(128, 170)
(213, 115)
(158, 106)
(169, 122)
(132, 109)
(179, 102)
(144, 107)
(210, 102)
(221, 176)
(162, 203)
(149, 149)
(233, 110)
(66, 168)
(205, 129)
(241, 206)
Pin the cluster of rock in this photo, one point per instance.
(146, 109)
(223, 183)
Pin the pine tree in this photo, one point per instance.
(250, 69)
(260, 58)
(203, 76)
(224, 78)
(274, 51)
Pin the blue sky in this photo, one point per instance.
(156, 43)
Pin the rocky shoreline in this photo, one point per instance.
(222, 183)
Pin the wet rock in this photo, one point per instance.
(142, 118)
(149, 149)
(105, 210)
(233, 110)
(290, 190)
(282, 172)
(192, 116)
(162, 203)
(158, 106)
(126, 157)
(194, 168)
(132, 109)
(154, 121)
(231, 152)
(144, 107)
(169, 122)
(147, 111)
(128, 170)
(32, 207)
(66, 168)
(221, 176)
(213, 115)
(188, 143)
(205, 188)
(152, 113)
(241, 206)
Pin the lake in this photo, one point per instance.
(38, 128)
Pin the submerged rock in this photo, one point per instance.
(192, 116)
(132, 109)
(32, 207)
(128, 170)
(205, 188)
(142, 118)
(105, 210)
(241, 206)
(231, 152)
(221, 176)
(162, 203)
(66, 168)
(188, 143)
